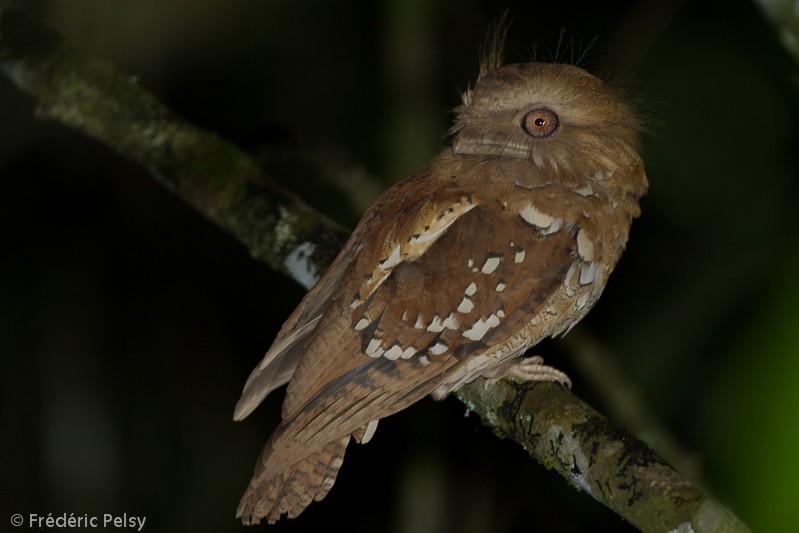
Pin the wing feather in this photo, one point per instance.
(420, 226)
(343, 382)
(280, 361)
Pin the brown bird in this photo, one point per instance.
(506, 238)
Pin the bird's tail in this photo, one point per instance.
(292, 490)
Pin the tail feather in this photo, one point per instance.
(291, 491)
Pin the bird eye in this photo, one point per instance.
(540, 123)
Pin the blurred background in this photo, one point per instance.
(129, 323)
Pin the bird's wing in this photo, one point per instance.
(430, 218)
(403, 321)
(277, 366)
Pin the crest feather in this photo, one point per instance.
(494, 47)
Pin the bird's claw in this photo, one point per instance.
(529, 369)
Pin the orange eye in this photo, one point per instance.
(540, 123)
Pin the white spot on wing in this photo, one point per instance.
(587, 273)
(428, 236)
(425, 236)
(533, 216)
(451, 322)
(555, 226)
(393, 259)
(436, 325)
(362, 323)
(471, 289)
(519, 257)
(438, 348)
(374, 349)
(408, 353)
(477, 331)
(432, 233)
(492, 321)
(466, 305)
(500, 287)
(393, 353)
(419, 322)
(491, 265)
(470, 263)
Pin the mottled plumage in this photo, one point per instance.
(506, 238)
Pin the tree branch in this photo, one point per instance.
(206, 171)
(226, 185)
(563, 433)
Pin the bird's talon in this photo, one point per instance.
(529, 369)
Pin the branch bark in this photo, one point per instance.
(565, 434)
(278, 228)
(204, 170)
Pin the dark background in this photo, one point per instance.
(128, 323)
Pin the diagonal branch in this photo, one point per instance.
(278, 228)
(207, 172)
(563, 433)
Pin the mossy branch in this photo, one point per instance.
(565, 434)
(226, 185)
(206, 171)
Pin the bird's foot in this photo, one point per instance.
(528, 369)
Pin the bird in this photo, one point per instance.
(507, 237)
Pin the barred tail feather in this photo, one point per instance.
(291, 491)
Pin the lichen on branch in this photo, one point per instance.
(209, 173)
(565, 434)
